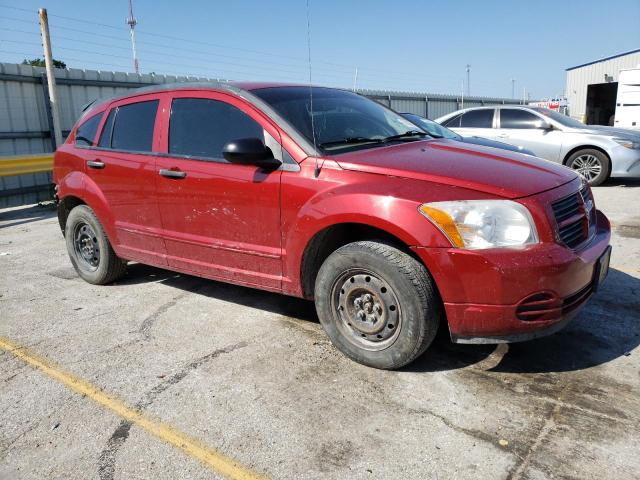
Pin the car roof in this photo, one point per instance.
(240, 89)
(234, 87)
(484, 107)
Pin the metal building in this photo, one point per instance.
(592, 87)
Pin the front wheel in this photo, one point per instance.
(377, 304)
(592, 165)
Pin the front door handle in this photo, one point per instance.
(95, 164)
(172, 173)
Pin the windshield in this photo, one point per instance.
(342, 121)
(560, 118)
(432, 128)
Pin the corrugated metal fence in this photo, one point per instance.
(26, 126)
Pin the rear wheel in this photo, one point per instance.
(89, 249)
(592, 165)
(377, 304)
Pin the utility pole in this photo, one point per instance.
(513, 88)
(132, 22)
(51, 79)
(355, 79)
(468, 80)
(462, 94)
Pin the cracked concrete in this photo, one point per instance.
(252, 375)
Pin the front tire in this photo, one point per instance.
(377, 304)
(89, 249)
(592, 165)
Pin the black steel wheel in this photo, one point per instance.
(86, 246)
(367, 308)
(89, 249)
(378, 304)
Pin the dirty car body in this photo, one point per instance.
(336, 199)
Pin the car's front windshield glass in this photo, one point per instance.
(560, 118)
(432, 128)
(342, 121)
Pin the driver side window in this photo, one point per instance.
(513, 118)
(201, 127)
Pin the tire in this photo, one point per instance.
(399, 319)
(592, 165)
(89, 249)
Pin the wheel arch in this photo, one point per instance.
(79, 189)
(584, 147)
(65, 205)
(324, 242)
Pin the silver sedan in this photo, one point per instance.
(595, 152)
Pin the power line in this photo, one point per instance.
(216, 45)
(366, 75)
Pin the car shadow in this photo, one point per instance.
(32, 213)
(607, 328)
(295, 308)
(622, 182)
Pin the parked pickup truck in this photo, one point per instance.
(323, 194)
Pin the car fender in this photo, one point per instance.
(398, 217)
(78, 184)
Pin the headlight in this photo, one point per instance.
(475, 224)
(627, 143)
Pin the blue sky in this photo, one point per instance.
(411, 46)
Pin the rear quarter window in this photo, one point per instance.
(453, 122)
(86, 132)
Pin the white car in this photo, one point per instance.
(595, 152)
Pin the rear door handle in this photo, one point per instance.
(95, 164)
(172, 173)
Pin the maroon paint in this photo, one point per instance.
(237, 224)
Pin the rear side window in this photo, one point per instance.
(133, 126)
(477, 119)
(518, 119)
(453, 122)
(200, 127)
(87, 131)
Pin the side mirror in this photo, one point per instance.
(544, 125)
(250, 151)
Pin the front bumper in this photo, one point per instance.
(485, 291)
(625, 162)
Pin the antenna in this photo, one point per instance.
(132, 22)
(468, 80)
(313, 129)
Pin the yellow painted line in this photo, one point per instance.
(210, 457)
(24, 164)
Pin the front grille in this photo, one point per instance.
(538, 306)
(575, 217)
(546, 306)
(574, 301)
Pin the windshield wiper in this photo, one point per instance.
(411, 134)
(351, 140)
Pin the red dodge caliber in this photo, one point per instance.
(323, 194)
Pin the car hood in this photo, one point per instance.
(608, 131)
(497, 172)
(485, 142)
